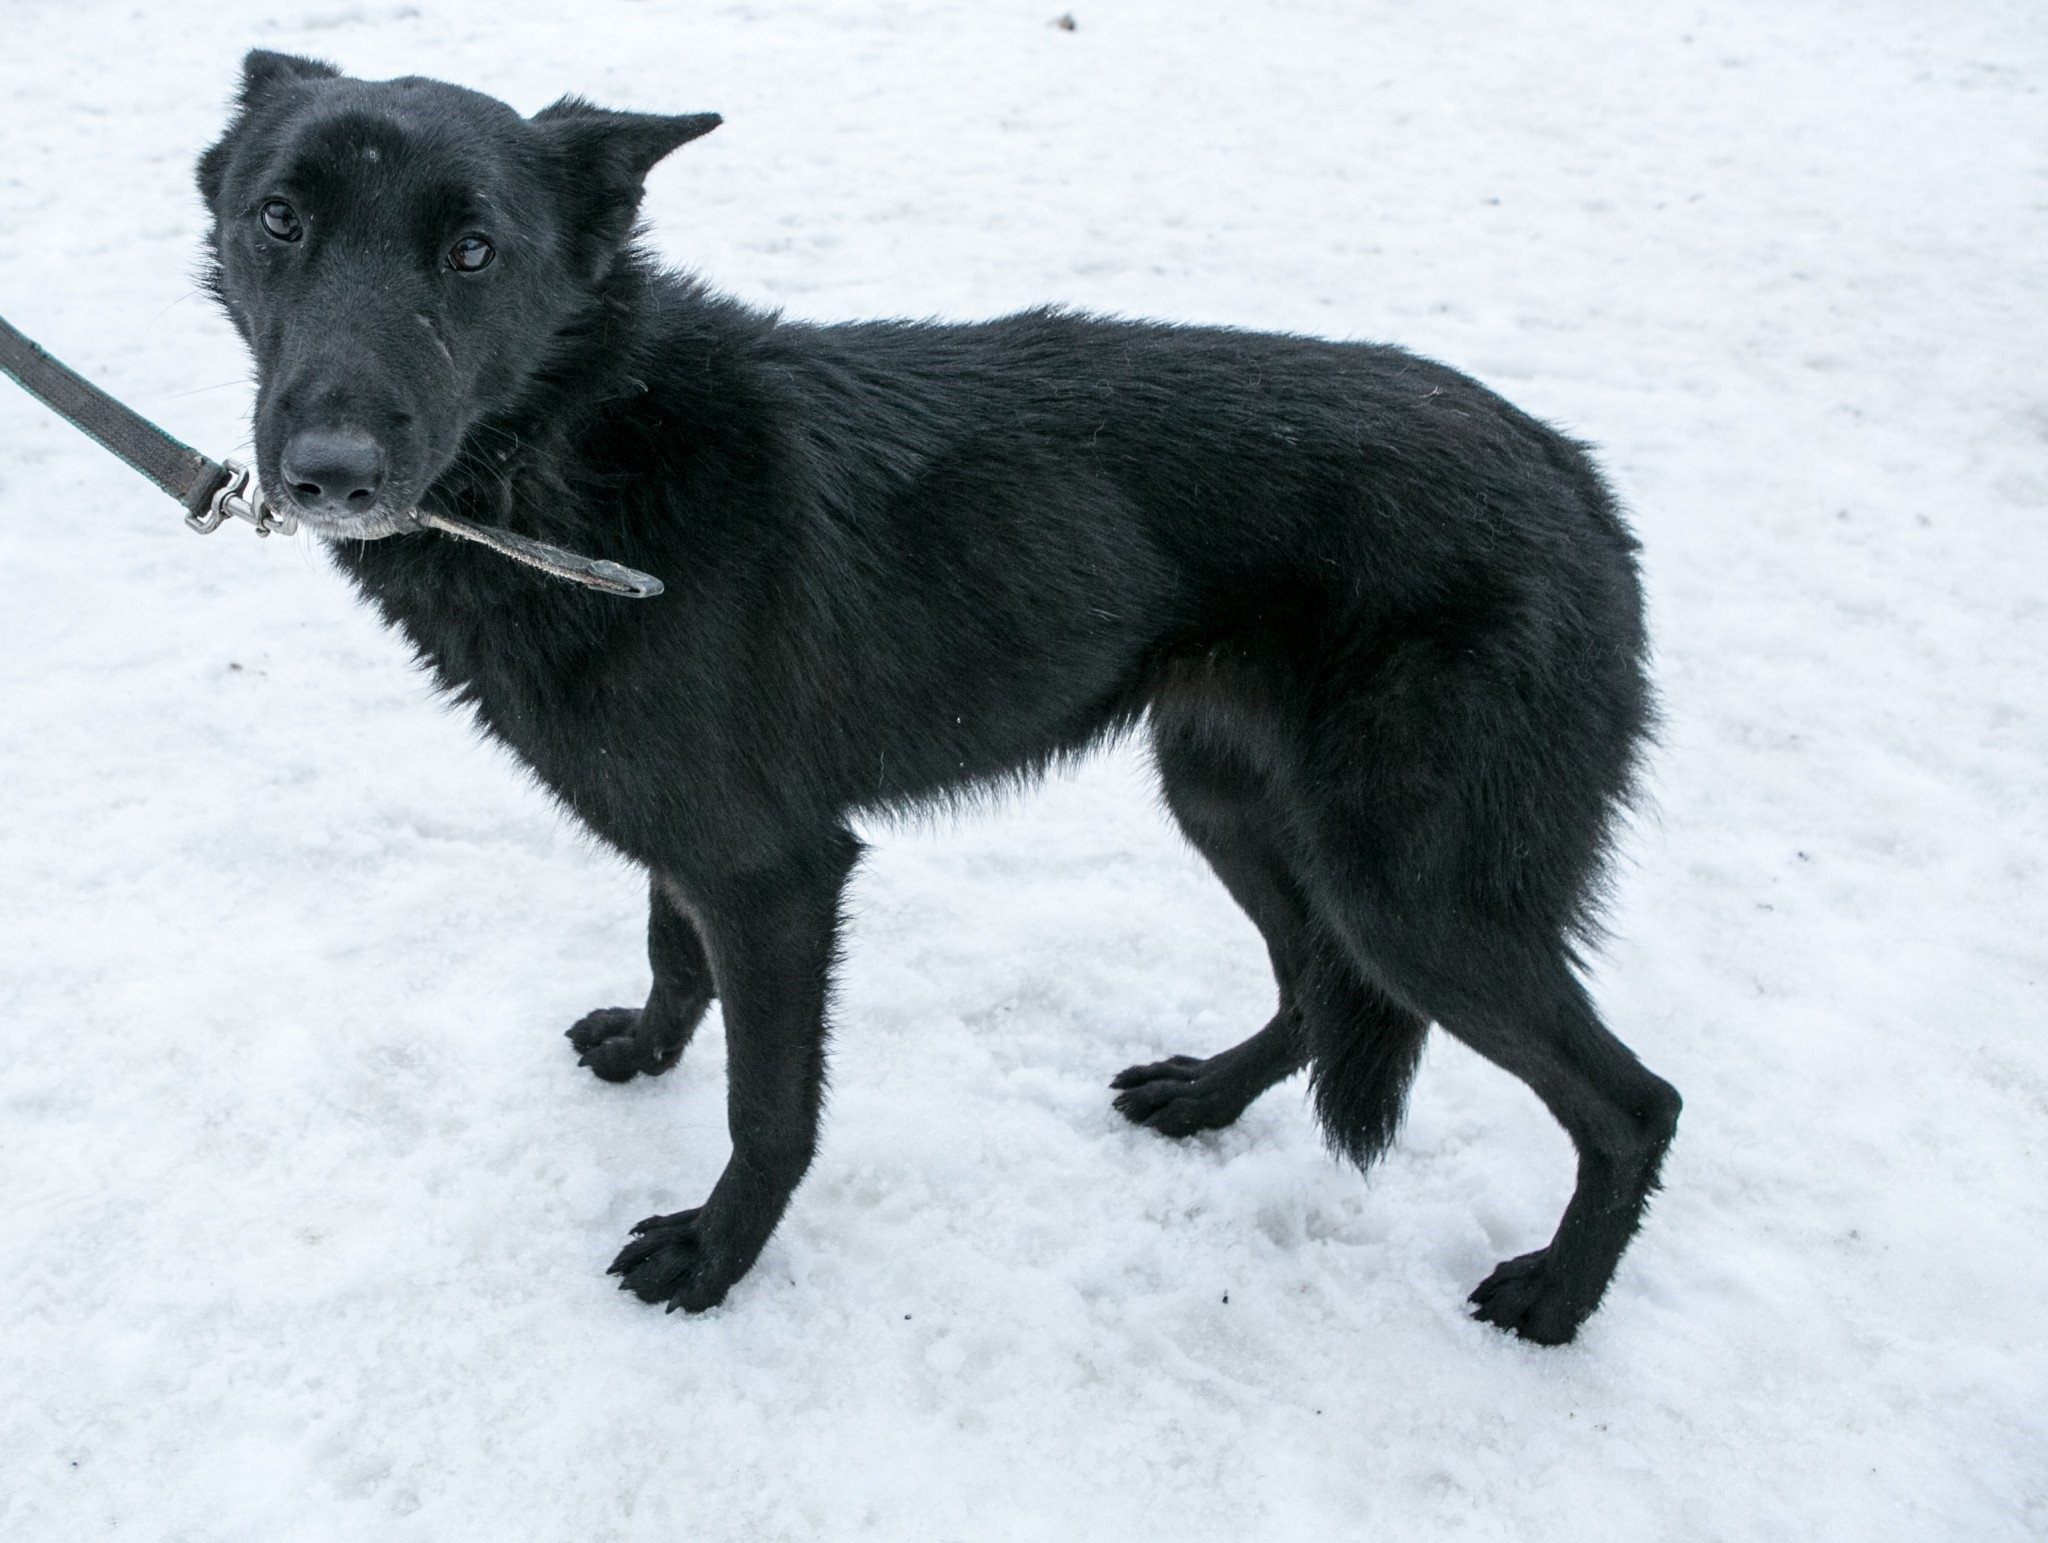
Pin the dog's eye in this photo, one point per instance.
(280, 221)
(470, 254)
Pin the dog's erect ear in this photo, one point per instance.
(263, 73)
(620, 147)
(611, 154)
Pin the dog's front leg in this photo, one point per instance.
(621, 1043)
(771, 937)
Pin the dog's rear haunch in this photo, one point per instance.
(1383, 630)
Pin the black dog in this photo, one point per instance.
(1384, 630)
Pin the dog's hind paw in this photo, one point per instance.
(618, 1044)
(1531, 1298)
(1179, 1096)
(676, 1261)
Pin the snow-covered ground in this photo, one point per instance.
(304, 1204)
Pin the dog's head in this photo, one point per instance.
(405, 259)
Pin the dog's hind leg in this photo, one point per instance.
(1455, 841)
(621, 1043)
(1362, 1047)
(1523, 1008)
(1621, 1117)
(1217, 801)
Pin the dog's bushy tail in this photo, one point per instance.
(1362, 1054)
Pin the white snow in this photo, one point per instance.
(304, 1204)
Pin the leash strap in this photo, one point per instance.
(212, 491)
(176, 469)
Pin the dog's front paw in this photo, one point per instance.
(1532, 1298)
(619, 1044)
(680, 1261)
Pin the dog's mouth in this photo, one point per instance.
(373, 524)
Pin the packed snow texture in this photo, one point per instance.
(305, 1205)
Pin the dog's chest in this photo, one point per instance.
(625, 734)
(554, 690)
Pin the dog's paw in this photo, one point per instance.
(618, 1044)
(1178, 1096)
(1531, 1298)
(678, 1261)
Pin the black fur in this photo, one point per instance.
(1383, 630)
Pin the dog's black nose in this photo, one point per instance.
(333, 471)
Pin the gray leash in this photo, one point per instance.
(215, 491)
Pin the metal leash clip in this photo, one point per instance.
(241, 497)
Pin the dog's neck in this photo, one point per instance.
(510, 469)
(544, 467)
